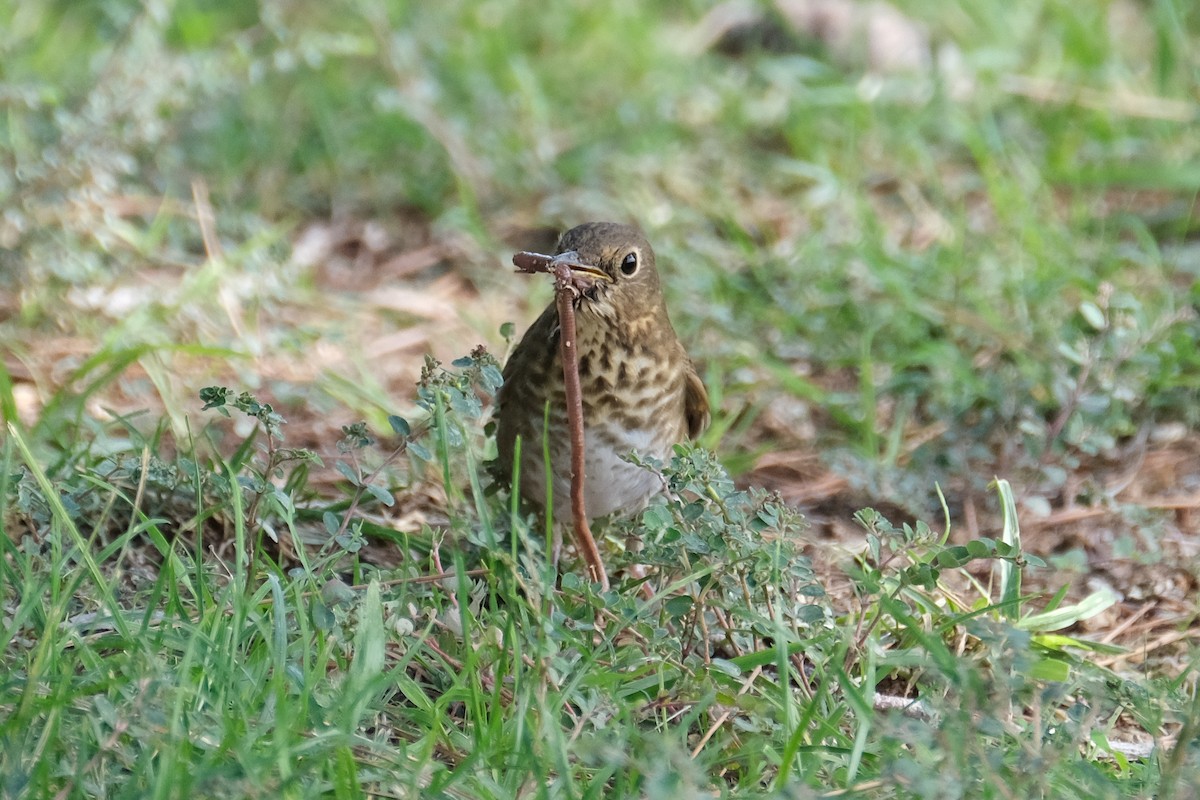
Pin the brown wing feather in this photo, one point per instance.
(531, 364)
(695, 402)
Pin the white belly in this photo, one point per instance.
(612, 485)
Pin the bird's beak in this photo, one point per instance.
(579, 269)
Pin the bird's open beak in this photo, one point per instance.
(580, 270)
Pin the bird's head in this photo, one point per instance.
(613, 265)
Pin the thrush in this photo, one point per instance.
(640, 391)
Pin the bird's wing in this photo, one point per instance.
(695, 402)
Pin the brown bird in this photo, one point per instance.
(640, 390)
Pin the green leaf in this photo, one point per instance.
(810, 612)
(874, 548)
(1010, 575)
(214, 397)
(678, 606)
(368, 660)
(656, 518)
(980, 548)
(347, 472)
(1092, 314)
(1065, 616)
(493, 379)
(381, 494)
(335, 592)
(953, 557)
(322, 618)
(1058, 641)
(399, 425)
(1051, 669)
(726, 667)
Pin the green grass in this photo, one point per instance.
(928, 279)
(234, 677)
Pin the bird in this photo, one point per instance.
(641, 392)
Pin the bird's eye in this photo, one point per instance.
(629, 264)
